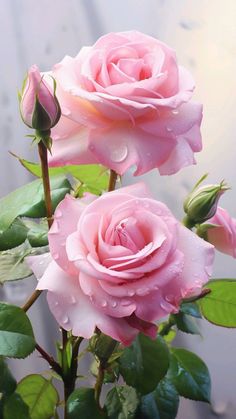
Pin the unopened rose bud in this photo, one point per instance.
(39, 106)
(201, 203)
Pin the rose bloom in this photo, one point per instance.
(223, 236)
(125, 101)
(119, 262)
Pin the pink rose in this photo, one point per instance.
(125, 102)
(39, 106)
(223, 237)
(119, 262)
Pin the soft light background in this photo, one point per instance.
(203, 33)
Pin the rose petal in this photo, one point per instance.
(74, 311)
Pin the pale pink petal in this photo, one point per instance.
(39, 263)
(111, 306)
(65, 222)
(199, 256)
(183, 153)
(122, 146)
(71, 150)
(74, 311)
(223, 236)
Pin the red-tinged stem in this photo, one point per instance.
(112, 180)
(48, 204)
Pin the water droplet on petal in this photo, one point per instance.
(125, 303)
(104, 303)
(156, 288)
(130, 293)
(73, 300)
(41, 262)
(169, 298)
(166, 306)
(142, 291)
(118, 152)
(56, 303)
(114, 304)
(175, 112)
(169, 129)
(55, 256)
(65, 320)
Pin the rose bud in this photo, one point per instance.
(222, 233)
(201, 203)
(39, 106)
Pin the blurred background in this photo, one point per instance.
(203, 33)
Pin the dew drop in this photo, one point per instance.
(118, 153)
(142, 291)
(73, 300)
(104, 303)
(156, 288)
(41, 262)
(55, 256)
(65, 320)
(130, 293)
(126, 303)
(169, 298)
(169, 129)
(114, 304)
(56, 303)
(175, 112)
(165, 306)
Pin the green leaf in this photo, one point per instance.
(16, 334)
(14, 235)
(190, 375)
(28, 201)
(38, 233)
(93, 178)
(12, 264)
(144, 358)
(191, 309)
(219, 306)
(162, 403)
(14, 407)
(81, 404)
(7, 381)
(39, 395)
(186, 324)
(121, 403)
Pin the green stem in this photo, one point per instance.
(168, 326)
(99, 383)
